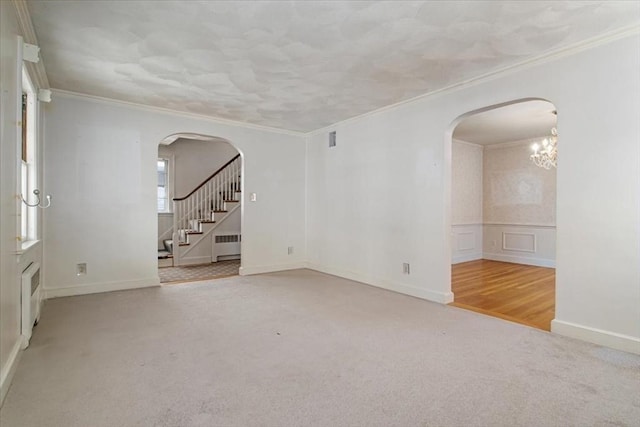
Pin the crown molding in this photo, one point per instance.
(546, 57)
(36, 70)
(144, 107)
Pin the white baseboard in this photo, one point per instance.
(259, 269)
(94, 288)
(9, 369)
(465, 258)
(402, 288)
(538, 262)
(597, 336)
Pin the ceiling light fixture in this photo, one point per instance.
(545, 153)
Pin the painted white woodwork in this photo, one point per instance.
(165, 228)
(216, 195)
(194, 161)
(466, 243)
(201, 248)
(522, 244)
(14, 257)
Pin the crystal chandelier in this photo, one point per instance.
(545, 154)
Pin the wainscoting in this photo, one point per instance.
(521, 244)
(466, 242)
(517, 243)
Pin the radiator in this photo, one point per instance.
(225, 245)
(30, 300)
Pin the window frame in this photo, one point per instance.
(168, 182)
(27, 171)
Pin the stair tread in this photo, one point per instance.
(220, 211)
(184, 244)
(193, 232)
(206, 221)
(232, 201)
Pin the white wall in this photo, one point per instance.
(195, 161)
(466, 201)
(13, 260)
(101, 170)
(382, 196)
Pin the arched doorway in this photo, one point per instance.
(503, 200)
(199, 208)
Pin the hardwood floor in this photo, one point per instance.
(520, 293)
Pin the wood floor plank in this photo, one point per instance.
(516, 292)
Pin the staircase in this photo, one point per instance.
(198, 215)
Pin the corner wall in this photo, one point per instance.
(381, 197)
(13, 260)
(466, 201)
(101, 171)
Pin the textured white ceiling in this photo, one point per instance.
(515, 122)
(299, 65)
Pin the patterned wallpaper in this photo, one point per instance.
(466, 183)
(515, 191)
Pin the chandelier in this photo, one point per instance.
(545, 154)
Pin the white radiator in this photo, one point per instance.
(226, 245)
(30, 301)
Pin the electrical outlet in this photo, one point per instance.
(81, 269)
(406, 269)
(290, 250)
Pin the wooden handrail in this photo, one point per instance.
(177, 199)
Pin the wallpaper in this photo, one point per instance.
(515, 190)
(466, 183)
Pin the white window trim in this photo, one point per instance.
(32, 164)
(170, 182)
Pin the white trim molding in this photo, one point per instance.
(537, 262)
(143, 107)
(402, 288)
(596, 336)
(522, 248)
(95, 288)
(9, 370)
(36, 70)
(466, 242)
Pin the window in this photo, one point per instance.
(28, 163)
(164, 200)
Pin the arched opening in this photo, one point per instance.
(199, 206)
(502, 215)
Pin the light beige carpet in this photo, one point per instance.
(300, 348)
